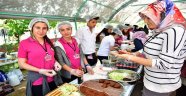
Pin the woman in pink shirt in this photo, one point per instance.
(68, 54)
(36, 55)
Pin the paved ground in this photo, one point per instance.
(19, 90)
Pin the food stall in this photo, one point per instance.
(101, 73)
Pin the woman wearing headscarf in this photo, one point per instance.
(69, 55)
(139, 38)
(36, 55)
(164, 51)
(105, 32)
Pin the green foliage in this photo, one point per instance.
(9, 67)
(16, 27)
(53, 24)
(13, 47)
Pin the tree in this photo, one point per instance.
(53, 24)
(16, 27)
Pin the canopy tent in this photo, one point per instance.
(75, 10)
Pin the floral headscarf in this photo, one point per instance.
(163, 13)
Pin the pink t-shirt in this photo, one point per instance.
(118, 40)
(35, 54)
(72, 52)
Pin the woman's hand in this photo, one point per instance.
(57, 66)
(77, 72)
(119, 55)
(89, 69)
(47, 72)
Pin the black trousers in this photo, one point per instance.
(92, 59)
(67, 80)
(102, 57)
(181, 91)
(37, 89)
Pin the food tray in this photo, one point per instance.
(65, 90)
(126, 64)
(123, 75)
(101, 87)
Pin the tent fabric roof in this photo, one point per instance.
(77, 10)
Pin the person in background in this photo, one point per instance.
(107, 44)
(130, 28)
(139, 38)
(68, 54)
(105, 32)
(182, 90)
(125, 31)
(164, 50)
(120, 38)
(36, 54)
(86, 36)
(126, 34)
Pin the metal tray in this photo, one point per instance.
(123, 75)
(121, 90)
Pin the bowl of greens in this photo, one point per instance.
(123, 75)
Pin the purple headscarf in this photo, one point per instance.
(141, 35)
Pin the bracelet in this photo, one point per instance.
(87, 65)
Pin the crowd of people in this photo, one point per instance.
(68, 58)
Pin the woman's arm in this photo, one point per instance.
(171, 44)
(85, 61)
(138, 60)
(87, 66)
(67, 68)
(22, 64)
(112, 48)
(58, 55)
(60, 59)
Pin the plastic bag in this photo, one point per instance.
(3, 76)
(18, 73)
(13, 78)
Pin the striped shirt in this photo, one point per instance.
(167, 51)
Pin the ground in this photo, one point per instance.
(19, 90)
